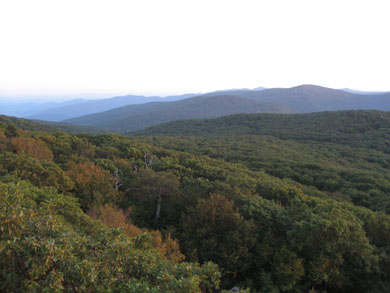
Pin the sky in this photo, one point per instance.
(170, 47)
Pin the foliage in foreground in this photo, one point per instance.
(48, 244)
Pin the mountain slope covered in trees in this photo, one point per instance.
(107, 212)
(345, 153)
(136, 117)
(336, 126)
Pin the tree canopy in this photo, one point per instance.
(193, 214)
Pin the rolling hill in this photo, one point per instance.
(343, 153)
(29, 108)
(48, 126)
(300, 99)
(312, 98)
(134, 117)
(67, 111)
(333, 126)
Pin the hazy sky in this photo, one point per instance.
(165, 47)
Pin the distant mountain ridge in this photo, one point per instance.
(134, 117)
(312, 98)
(96, 106)
(38, 125)
(29, 108)
(134, 112)
(299, 99)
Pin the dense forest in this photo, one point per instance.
(345, 154)
(263, 202)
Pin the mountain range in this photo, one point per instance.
(312, 98)
(134, 117)
(95, 106)
(300, 99)
(26, 109)
(58, 111)
(135, 112)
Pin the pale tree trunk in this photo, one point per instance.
(157, 210)
(147, 165)
(116, 180)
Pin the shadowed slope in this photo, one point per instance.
(134, 117)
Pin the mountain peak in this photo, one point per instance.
(315, 90)
(311, 87)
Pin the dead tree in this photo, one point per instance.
(116, 179)
(148, 164)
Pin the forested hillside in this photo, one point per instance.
(129, 214)
(135, 117)
(345, 153)
(337, 126)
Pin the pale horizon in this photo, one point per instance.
(67, 96)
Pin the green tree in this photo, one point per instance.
(333, 244)
(11, 131)
(152, 188)
(214, 230)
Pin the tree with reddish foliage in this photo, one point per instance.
(93, 185)
(35, 147)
